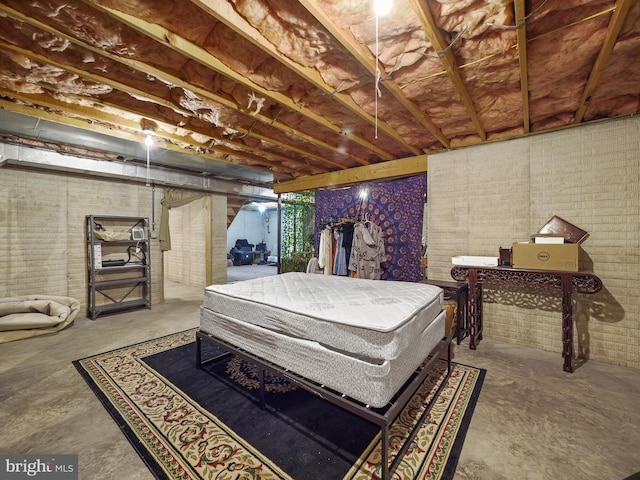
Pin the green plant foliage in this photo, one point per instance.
(298, 220)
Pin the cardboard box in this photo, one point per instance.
(547, 256)
(551, 256)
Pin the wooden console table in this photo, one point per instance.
(567, 282)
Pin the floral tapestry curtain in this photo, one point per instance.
(397, 206)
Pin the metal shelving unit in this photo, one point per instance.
(119, 264)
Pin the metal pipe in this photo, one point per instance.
(28, 157)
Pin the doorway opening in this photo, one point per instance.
(184, 273)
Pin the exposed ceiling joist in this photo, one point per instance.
(521, 26)
(171, 79)
(368, 60)
(100, 121)
(100, 79)
(285, 90)
(202, 56)
(615, 24)
(220, 10)
(448, 61)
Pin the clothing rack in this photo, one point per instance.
(337, 221)
(351, 246)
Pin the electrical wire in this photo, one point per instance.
(492, 55)
(148, 162)
(520, 23)
(139, 255)
(439, 54)
(248, 132)
(377, 91)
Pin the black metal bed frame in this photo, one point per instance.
(383, 417)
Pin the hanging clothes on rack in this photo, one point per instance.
(367, 252)
(340, 263)
(347, 240)
(325, 250)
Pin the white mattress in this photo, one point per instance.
(368, 318)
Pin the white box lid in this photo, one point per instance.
(475, 261)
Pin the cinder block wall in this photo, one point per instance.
(484, 197)
(251, 224)
(185, 262)
(42, 230)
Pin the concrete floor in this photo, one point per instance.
(533, 421)
(246, 272)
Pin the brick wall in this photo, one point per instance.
(484, 197)
(250, 224)
(42, 230)
(185, 262)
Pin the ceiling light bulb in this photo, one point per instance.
(382, 7)
(148, 141)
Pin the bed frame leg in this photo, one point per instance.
(384, 465)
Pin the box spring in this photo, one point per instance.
(370, 381)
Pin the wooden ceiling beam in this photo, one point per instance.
(126, 125)
(93, 115)
(99, 122)
(521, 32)
(152, 71)
(60, 116)
(615, 24)
(202, 56)
(448, 61)
(115, 84)
(223, 12)
(368, 61)
(385, 170)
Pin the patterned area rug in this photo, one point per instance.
(195, 424)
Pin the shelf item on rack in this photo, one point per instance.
(119, 264)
